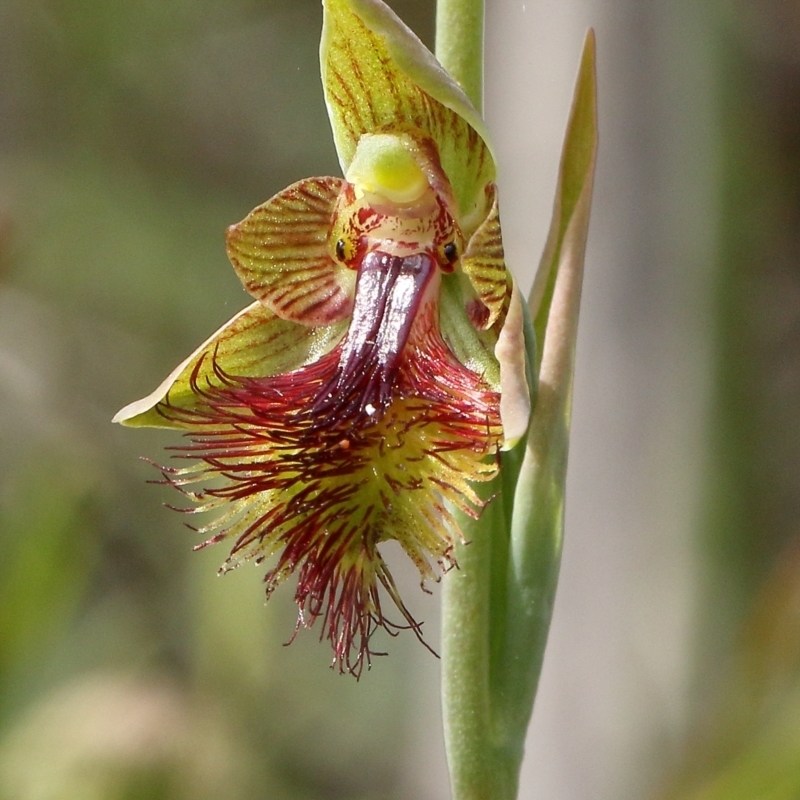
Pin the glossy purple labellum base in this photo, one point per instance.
(389, 293)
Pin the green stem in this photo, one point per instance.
(459, 44)
(468, 593)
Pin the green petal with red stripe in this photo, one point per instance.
(282, 253)
(378, 77)
(484, 264)
(255, 343)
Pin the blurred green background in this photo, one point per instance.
(131, 135)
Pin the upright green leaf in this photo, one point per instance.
(538, 511)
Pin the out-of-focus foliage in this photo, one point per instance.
(746, 738)
(131, 135)
(747, 742)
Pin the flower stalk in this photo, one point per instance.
(467, 591)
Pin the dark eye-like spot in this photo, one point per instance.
(450, 252)
(340, 246)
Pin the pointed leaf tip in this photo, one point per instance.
(581, 137)
(574, 189)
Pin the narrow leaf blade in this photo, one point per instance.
(538, 512)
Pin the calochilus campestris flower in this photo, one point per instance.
(381, 367)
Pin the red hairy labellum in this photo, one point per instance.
(322, 492)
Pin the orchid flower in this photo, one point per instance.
(368, 390)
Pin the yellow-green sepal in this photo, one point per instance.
(378, 77)
(255, 343)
